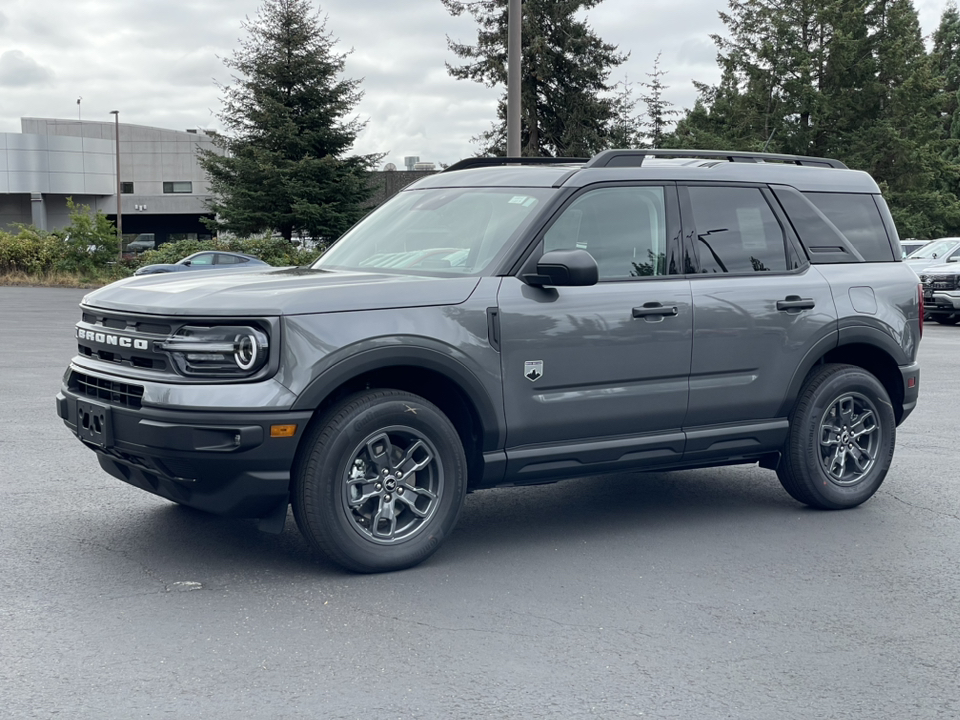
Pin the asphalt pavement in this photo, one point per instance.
(698, 594)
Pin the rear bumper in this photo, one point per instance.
(911, 388)
(223, 463)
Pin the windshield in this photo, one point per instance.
(448, 231)
(935, 249)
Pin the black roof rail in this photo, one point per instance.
(635, 158)
(494, 161)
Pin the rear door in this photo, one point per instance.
(759, 309)
(599, 374)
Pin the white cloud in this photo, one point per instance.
(19, 70)
(156, 61)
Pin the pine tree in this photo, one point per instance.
(284, 165)
(625, 127)
(565, 67)
(659, 110)
(842, 78)
(946, 58)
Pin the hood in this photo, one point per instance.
(935, 269)
(273, 291)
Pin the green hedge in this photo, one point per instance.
(88, 248)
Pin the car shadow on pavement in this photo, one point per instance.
(637, 506)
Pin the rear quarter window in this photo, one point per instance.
(858, 218)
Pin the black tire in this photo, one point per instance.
(946, 319)
(353, 496)
(841, 439)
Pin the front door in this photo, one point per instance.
(598, 376)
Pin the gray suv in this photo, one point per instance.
(511, 322)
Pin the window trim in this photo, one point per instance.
(672, 215)
(691, 254)
(171, 185)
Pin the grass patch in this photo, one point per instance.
(56, 279)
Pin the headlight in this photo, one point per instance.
(222, 351)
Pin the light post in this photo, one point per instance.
(514, 50)
(116, 117)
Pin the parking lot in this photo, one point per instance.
(694, 594)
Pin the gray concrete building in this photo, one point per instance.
(163, 188)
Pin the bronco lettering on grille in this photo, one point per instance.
(110, 339)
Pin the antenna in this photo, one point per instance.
(78, 109)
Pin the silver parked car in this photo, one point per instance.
(207, 260)
(935, 252)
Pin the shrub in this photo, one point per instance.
(30, 251)
(90, 241)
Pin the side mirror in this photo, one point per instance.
(187, 263)
(953, 258)
(565, 268)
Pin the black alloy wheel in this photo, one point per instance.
(841, 439)
(380, 481)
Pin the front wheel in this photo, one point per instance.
(841, 439)
(381, 481)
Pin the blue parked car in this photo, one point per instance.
(207, 260)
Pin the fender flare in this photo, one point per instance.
(852, 335)
(442, 363)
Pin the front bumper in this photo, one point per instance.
(221, 462)
(941, 302)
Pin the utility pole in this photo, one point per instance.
(116, 116)
(514, 29)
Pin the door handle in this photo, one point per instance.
(653, 309)
(795, 302)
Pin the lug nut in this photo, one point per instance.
(399, 474)
(387, 498)
(379, 487)
(384, 472)
(400, 491)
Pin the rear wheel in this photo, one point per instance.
(381, 482)
(841, 439)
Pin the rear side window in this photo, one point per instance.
(736, 231)
(858, 218)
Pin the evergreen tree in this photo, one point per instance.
(659, 110)
(841, 78)
(625, 128)
(946, 58)
(565, 67)
(285, 166)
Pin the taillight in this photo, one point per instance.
(920, 299)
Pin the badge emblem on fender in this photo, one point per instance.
(533, 370)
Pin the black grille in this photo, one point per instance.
(940, 282)
(108, 391)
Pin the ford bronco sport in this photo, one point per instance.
(511, 322)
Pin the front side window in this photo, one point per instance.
(624, 228)
(736, 231)
(206, 259)
(444, 231)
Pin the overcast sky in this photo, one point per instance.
(156, 61)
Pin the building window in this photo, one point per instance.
(126, 188)
(178, 187)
